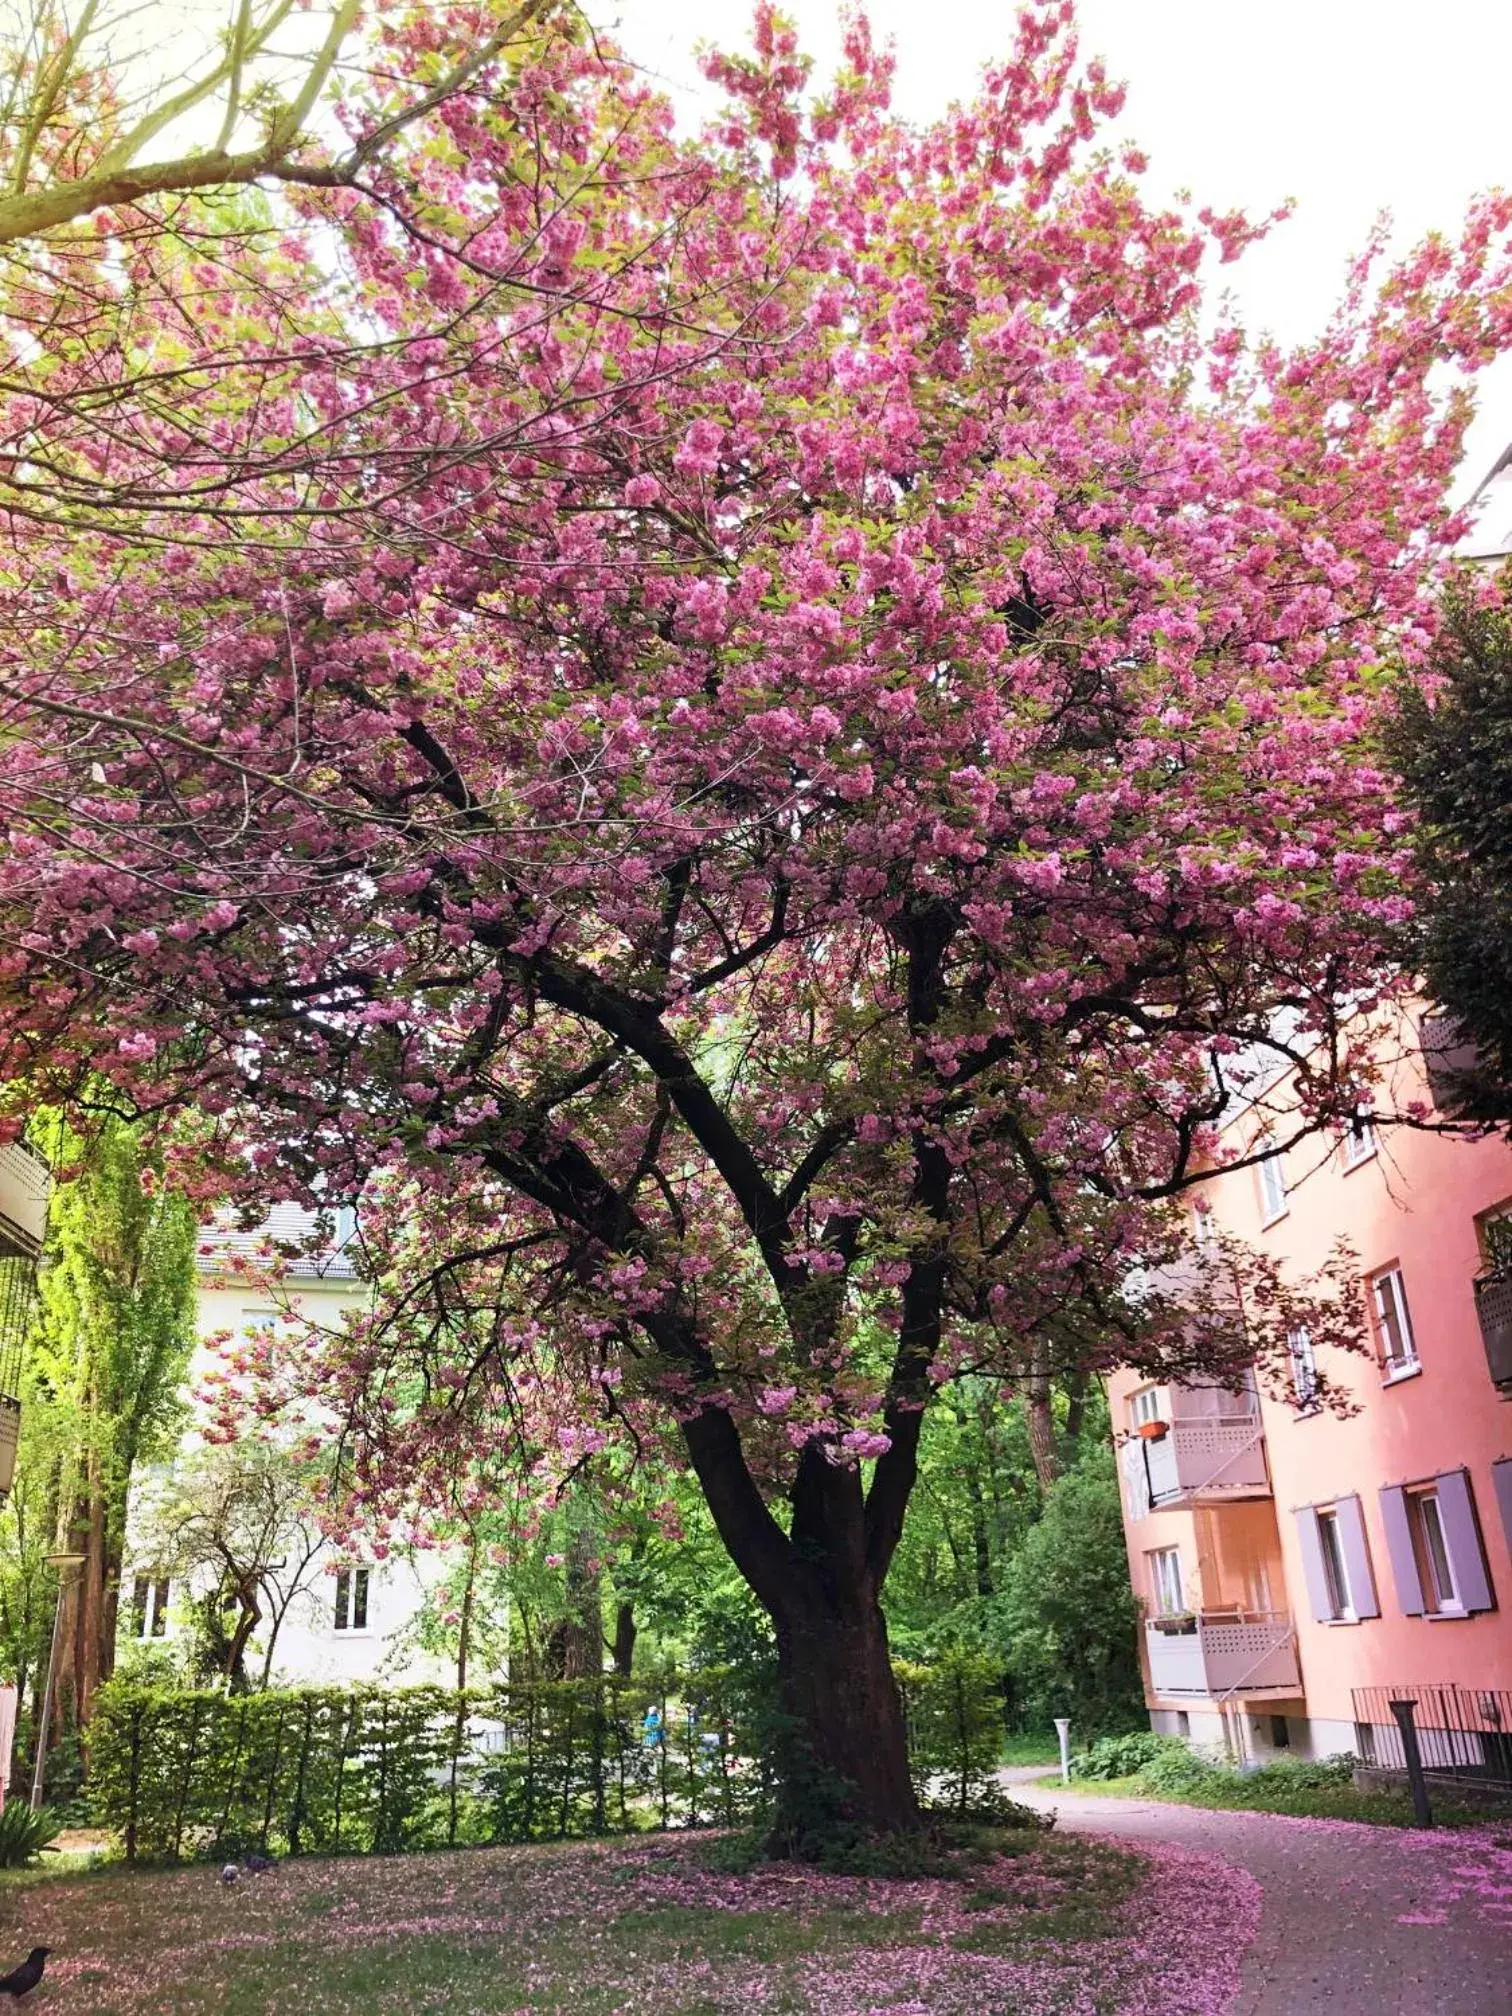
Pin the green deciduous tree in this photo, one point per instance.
(113, 1342)
(1452, 742)
(1068, 1614)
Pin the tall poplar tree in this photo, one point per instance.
(115, 1337)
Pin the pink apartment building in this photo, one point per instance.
(1296, 1568)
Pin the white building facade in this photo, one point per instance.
(355, 1616)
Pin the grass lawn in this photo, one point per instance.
(1031, 1750)
(1039, 1924)
(1232, 1791)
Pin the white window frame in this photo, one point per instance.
(1204, 1229)
(1359, 1143)
(345, 1605)
(1440, 1582)
(1388, 1305)
(1270, 1176)
(1150, 1403)
(1304, 1366)
(1167, 1583)
(1335, 1567)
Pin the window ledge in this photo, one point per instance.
(1333, 1623)
(1412, 1371)
(1275, 1218)
(1447, 1616)
(1360, 1162)
(1306, 1410)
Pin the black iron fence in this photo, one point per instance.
(1464, 1733)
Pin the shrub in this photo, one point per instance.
(177, 1774)
(1123, 1756)
(24, 1834)
(1304, 1774)
(955, 1727)
(1178, 1769)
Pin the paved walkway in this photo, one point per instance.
(1356, 1921)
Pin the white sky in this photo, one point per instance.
(1350, 107)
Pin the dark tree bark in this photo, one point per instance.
(847, 1749)
(622, 1650)
(464, 1628)
(844, 1742)
(574, 1647)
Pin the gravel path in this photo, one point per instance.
(1356, 1921)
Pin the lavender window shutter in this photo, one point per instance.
(1462, 1538)
(1501, 1479)
(1356, 1551)
(1404, 1568)
(1312, 1564)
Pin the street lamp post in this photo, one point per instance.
(62, 1562)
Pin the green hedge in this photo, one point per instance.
(955, 1726)
(365, 1770)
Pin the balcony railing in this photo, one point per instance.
(25, 1186)
(1207, 1455)
(1493, 1305)
(1221, 1653)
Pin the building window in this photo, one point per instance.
(1272, 1180)
(1304, 1368)
(1359, 1138)
(352, 1599)
(1393, 1325)
(1436, 1575)
(1335, 1575)
(149, 1606)
(1167, 1590)
(1148, 1404)
(1204, 1231)
(1495, 1231)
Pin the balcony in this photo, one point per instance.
(1493, 1306)
(1221, 1653)
(1201, 1457)
(25, 1186)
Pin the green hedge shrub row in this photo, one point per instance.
(177, 1775)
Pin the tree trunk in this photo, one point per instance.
(1041, 1419)
(91, 1649)
(464, 1627)
(842, 1754)
(236, 1652)
(623, 1649)
(578, 1638)
(844, 1739)
(1076, 1407)
(267, 1665)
